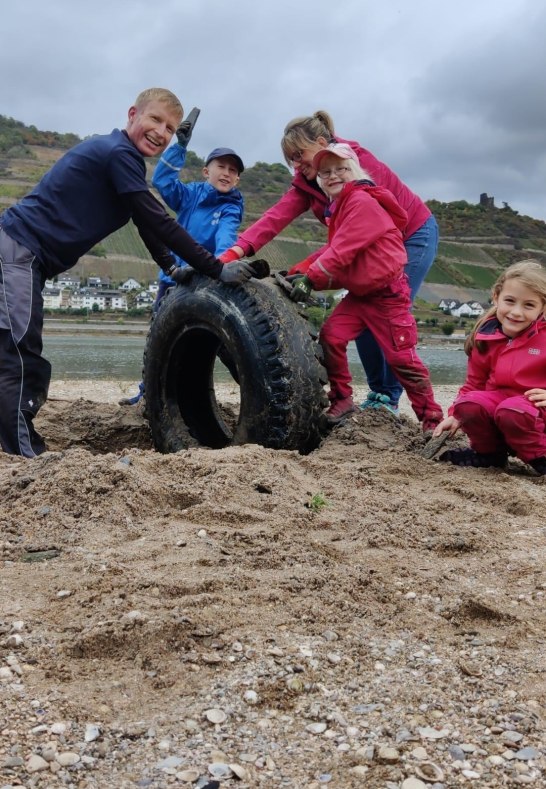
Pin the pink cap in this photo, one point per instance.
(337, 149)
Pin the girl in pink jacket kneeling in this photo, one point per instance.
(366, 255)
(502, 404)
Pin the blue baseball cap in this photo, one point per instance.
(217, 153)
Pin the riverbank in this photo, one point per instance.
(113, 391)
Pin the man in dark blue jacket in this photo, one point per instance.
(94, 189)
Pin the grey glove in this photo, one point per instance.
(184, 131)
(236, 273)
(182, 274)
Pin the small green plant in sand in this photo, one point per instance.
(317, 502)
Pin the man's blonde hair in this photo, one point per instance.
(160, 94)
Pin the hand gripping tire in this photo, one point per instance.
(265, 342)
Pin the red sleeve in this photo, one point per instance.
(289, 207)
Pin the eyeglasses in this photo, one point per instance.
(296, 156)
(326, 174)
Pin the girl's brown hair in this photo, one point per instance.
(531, 274)
(302, 132)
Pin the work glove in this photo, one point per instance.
(260, 268)
(184, 131)
(301, 288)
(182, 274)
(236, 273)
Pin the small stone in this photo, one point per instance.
(169, 762)
(330, 635)
(495, 760)
(511, 736)
(433, 734)
(63, 593)
(58, 728)
(360, 770)
(365, 754)
(525, 754)
(456, 753)
(413, 783)
(419, 753)
(13, 761)
(92, 732)
(295, 684)
(471, 774)
(220, 770)
(36, 764)
(316, 728)
(215, 715)
(202, 533)
(333, 658)
(388, 755)
(14, 641)
(188, 776)
(250, 697)
(67, 759)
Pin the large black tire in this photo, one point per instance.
(274, 358)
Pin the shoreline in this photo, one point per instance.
(110, 391)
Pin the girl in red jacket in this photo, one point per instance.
(502, 404)
(366, 255)
(303, 138)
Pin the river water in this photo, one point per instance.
(119, 358)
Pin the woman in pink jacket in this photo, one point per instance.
(365, 254)
(303, 138)
(502, 404)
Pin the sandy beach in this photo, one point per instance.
(245, 617)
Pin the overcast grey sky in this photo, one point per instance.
(450, 94)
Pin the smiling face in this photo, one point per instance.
(517, 307)
(222, 173)
(302, 158)
(333, 174)
(151, 126)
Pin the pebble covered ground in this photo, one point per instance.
(359, 617)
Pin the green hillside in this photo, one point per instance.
(478, 240)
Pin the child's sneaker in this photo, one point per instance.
(376, 400)
(539, 465)
(469, 457)
(370, 401)
(340, 409)
(131, 400)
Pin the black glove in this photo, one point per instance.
(184, 131)
(260, 268)
(236, 273)
(301, 288)
(182, 274)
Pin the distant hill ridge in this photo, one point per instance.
(477, 240)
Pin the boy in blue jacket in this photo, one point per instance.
(211, 211)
